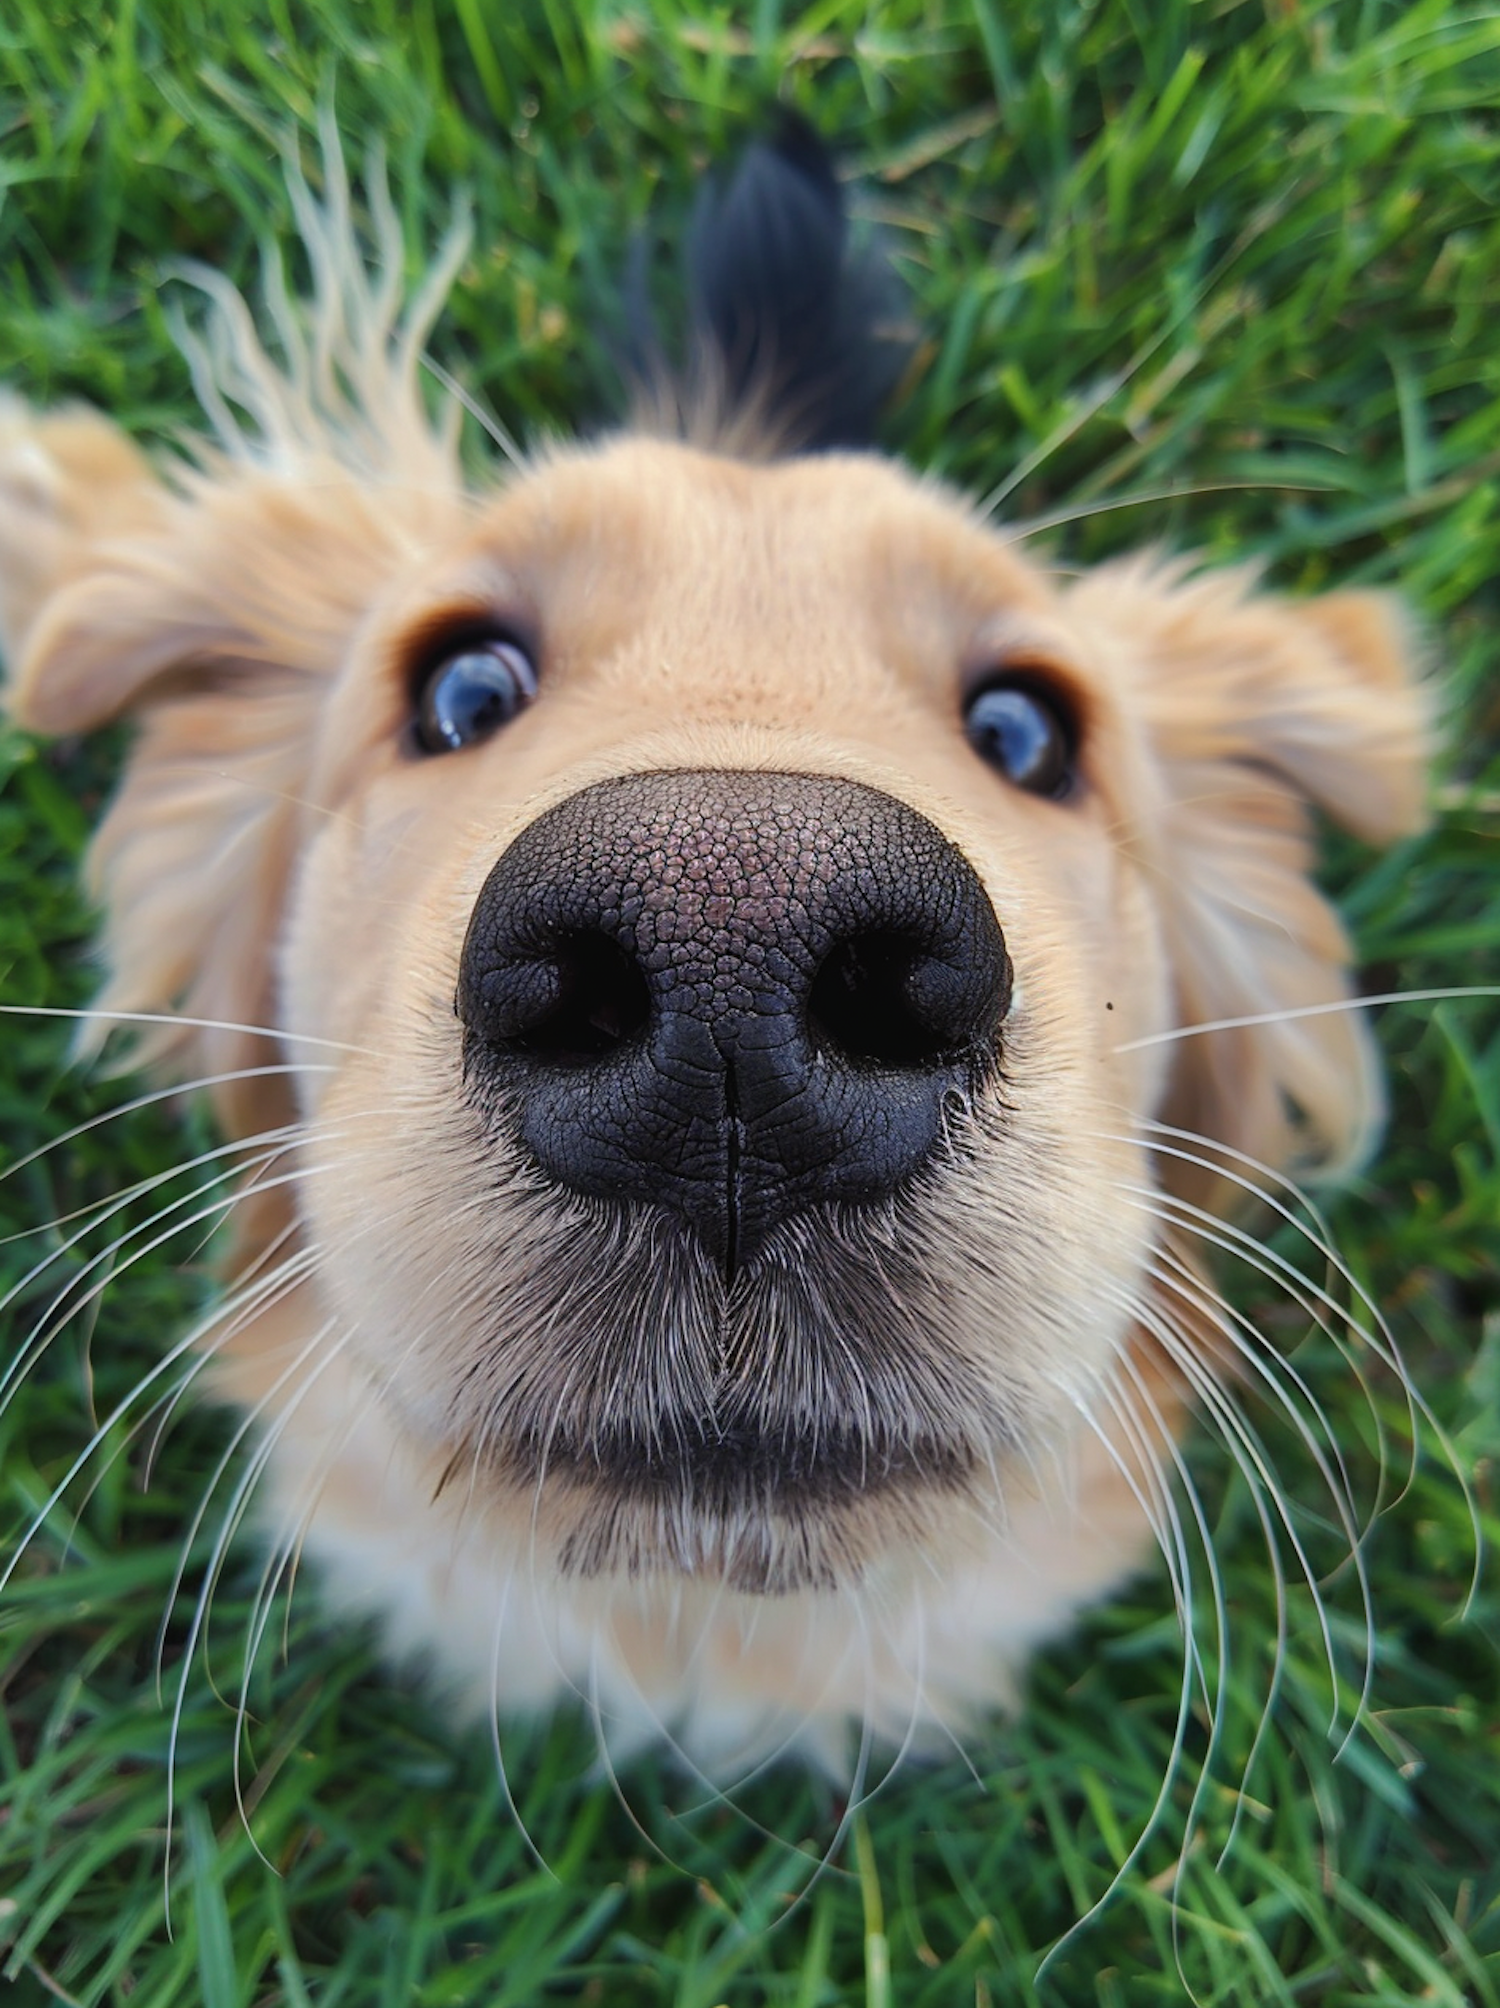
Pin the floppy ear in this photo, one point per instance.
(67, 482)
(214, 606)
(1257, 709)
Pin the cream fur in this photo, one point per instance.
(275, 859)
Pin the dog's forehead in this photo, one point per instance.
(647, 529)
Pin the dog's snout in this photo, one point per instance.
(731, 995)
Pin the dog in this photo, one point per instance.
(742, 998)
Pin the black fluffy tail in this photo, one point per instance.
(794, 341)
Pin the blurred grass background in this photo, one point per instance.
(1243, 254)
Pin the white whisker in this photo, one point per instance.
(96, 1014)
(97, 1211)
(1236, 1241)
(229, 1524)
(268, 1291)
(1059, 519)
(160, 1411)
(1447, 994)
(240, 1305)
(60, 1311)
(152, 1374)
(492, 1723)
(171, 1092)
(1191, 1667)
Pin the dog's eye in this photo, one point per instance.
(1026, 733)
(471, 693)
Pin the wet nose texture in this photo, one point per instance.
(730, 995)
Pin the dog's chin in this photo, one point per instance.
(779, 1432)
(771, 1548)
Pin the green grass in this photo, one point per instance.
(1248, 251)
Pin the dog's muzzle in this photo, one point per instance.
(731, 995)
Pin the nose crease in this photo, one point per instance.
(730, 995)
(733, 1158)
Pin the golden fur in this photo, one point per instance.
(275, 859)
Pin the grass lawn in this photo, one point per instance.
(1222, 275)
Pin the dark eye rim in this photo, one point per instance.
(1057, 696)
(425, 655)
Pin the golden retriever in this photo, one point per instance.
(689, 936)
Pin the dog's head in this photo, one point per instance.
(728, 914)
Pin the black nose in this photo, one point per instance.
(732, 995)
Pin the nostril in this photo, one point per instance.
(571, 1003)
(882, 999)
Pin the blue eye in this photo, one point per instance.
(1026, 735)
(470, 694)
